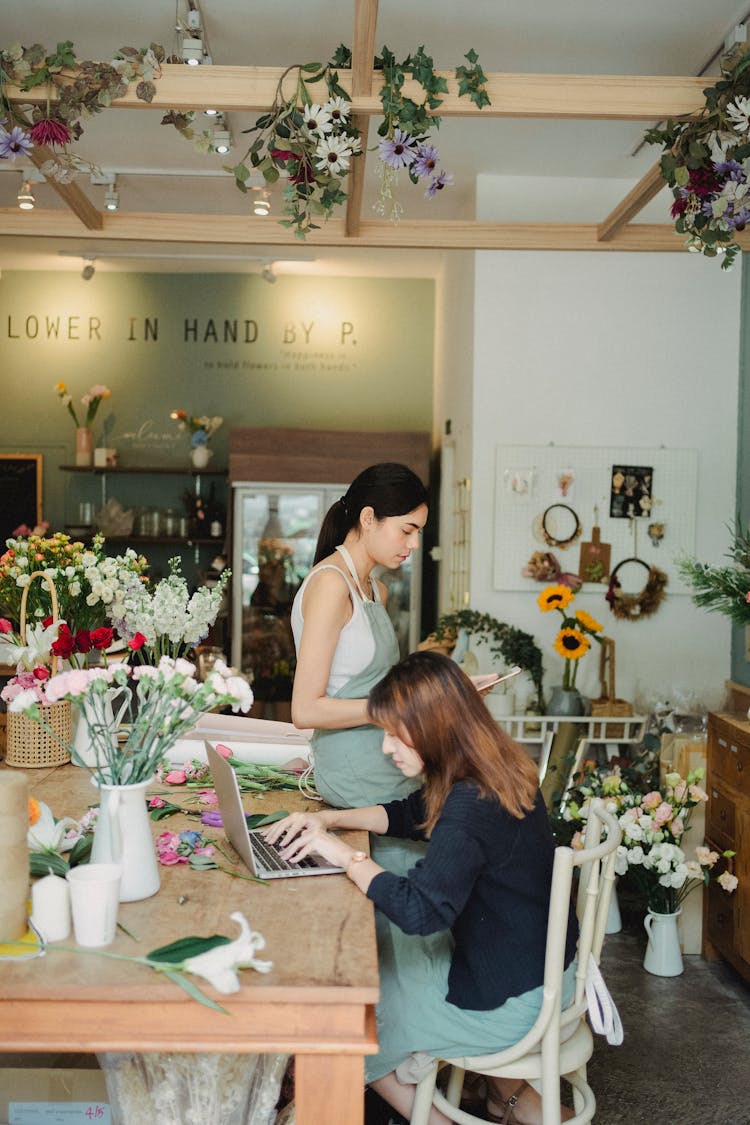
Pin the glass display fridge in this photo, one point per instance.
(274, 531)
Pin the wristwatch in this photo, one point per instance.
(355, 857)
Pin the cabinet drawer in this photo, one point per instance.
(729, 759)
(720, 917)
(720, 817)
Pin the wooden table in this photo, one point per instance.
(317, 1003)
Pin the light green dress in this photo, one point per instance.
(351, 771)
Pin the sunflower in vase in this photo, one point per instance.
(577, 630)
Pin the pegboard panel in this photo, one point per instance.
(530, 478)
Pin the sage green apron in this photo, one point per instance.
(351, 771)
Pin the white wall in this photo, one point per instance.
(621, 349)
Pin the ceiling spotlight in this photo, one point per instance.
(221, 141)
(211, 112)
(25, 197)
(89, 269)
(112, 198)
(261, 204)
(192, 50)
(268, 275)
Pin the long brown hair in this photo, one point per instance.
(428, 698)
(389, 489)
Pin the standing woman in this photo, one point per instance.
(344, 637)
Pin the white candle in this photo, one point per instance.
(50, 907)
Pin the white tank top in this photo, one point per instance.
(356, 645)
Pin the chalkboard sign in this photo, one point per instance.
(20, 492)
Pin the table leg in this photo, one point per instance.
(330, 1089)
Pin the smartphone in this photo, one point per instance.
(482, 683)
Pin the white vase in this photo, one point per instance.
(94, 721)
(200, 455)
(123, 836)
(663, 955)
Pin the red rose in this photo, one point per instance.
(102, 638)
(83, 641)
(47, 622)
(64, 646)
(64, 629)
(40, 673)
(136, 642)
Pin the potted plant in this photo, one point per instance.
(507, 641)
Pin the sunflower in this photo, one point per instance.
(588, 622)
(572, 644)
(555, 597)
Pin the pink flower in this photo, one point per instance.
(207, 850)
(207, 797)
(651, 800)
(5, 625)
(223, 750)
(41, 673)
(747, 596)
(677, 827)
(157, 803)
(698, 794)
(663, 813)
(169, 858)
(176, 777)
(706, 858)
(136, 642)
(50, 132)
(680, 790)
(727, 882)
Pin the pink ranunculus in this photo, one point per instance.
(176, 777)
(157, 803)
(5, 625)
(169, 858)
(663, 814)
(223, 750)
(651, 800)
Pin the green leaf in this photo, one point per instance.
(193, 991)
(47, 863)
(186, 947)
(311, 67)
(260, 820)
(81, 851)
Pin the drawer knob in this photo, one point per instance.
(740, 766)
(723, 814)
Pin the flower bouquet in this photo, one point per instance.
(574, 638)
(651, 850)
(91, 401)
(166, 620)
(200, 428)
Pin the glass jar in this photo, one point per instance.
(171, 523)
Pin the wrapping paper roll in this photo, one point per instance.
(14, 823)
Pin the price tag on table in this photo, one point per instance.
(59, 1113)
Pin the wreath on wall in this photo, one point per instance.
(309, 144)
(706, 162)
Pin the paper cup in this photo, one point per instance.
(94, 898)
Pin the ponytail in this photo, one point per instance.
(389, 489)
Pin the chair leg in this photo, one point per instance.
(455, 1085)
(420, 1113)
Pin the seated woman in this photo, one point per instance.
(486, 877)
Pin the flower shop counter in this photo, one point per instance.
(317, 1002)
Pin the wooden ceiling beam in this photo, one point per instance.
(239, 230)
(363, 52)
(71, 194)
(569, 96)
(644, 191)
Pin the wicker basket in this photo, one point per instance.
(29, 745)
(608, 704)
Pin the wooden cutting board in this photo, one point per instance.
(595, 559)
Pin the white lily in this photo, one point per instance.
(35, 651)
(219, 965)
(48, 834)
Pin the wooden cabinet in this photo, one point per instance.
(726, 922)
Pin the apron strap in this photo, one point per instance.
(352, 570)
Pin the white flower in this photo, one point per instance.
(219, 965)
(317, 120)
(635, 855)
(727, 882)
(47, 835)
(24, 701)
(739, 112)
(621, 861)
(333, 155)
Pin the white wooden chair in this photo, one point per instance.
(560, 1043)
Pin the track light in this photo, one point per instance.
(221, 140)
(192, 50)
(88, 270)
(268, 275)
(25, 197)
(112, 198)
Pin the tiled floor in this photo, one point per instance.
(686, 1055)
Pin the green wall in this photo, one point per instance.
(740, 666)
(333, 353)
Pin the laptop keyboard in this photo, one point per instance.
(268, 856)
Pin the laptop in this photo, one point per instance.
(260, 857)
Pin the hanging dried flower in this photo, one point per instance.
(50, 132)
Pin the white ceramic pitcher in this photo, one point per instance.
(663, 955)
(123, 836)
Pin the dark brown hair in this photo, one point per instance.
(428, 698)
(389, 489)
